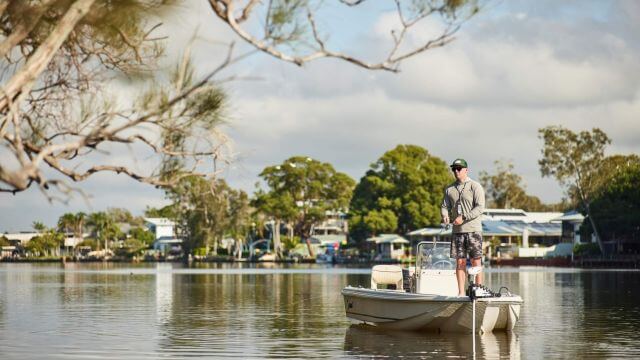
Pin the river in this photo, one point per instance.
(150, 311)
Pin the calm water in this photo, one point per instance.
(170, 311)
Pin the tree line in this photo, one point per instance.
(400, 192)
(115, 230)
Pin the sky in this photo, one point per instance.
(516, 67)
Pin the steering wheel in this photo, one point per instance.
(442, 264)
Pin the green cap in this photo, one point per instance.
(459, 162)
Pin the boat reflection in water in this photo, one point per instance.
(365, 340)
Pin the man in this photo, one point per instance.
(464, 201)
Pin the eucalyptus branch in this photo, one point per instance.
(101, 129)
(22, 80)
(224, 10)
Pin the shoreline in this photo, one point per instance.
(586, 263)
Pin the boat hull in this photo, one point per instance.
(410, 311)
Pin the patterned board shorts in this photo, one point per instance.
(466, 243)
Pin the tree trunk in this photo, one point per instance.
(276, 240)
(595, 229)
(310, 248)
(239, 249)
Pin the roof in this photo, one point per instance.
(23, 236)
(501, 228)
(519, 214)
(572, 215)
(388, 239)
(160, 221)
(431, 232)
(542, 217)
(517, 228)
(504, 212)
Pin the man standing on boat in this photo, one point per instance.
(464, 201)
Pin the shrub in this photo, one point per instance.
(589, 249)
(200, 251)
(290, 243)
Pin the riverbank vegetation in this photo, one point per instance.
(401, 192)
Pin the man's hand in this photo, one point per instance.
(458, 220)
(445, 220)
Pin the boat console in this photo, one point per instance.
(435, 271)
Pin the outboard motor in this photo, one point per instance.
(478, 291)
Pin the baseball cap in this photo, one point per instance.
(459, 163)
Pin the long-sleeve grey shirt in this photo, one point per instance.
(471, 195)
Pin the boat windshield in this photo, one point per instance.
(434, 255)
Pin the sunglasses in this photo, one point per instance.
(456, 169)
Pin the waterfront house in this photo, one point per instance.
(390, 246)
(333, 230)
(164, 231)
(571, 223)
(21, 238)
(515, 233)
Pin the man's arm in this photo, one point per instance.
(445, 207)
(478, 203)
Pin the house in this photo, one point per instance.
(518, 233)
(333, 230)
(519, 215)
(161, 227)
(164, 231)
(390, 246)
(21, 238)
(571, 222)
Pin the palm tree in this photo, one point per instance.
(39, 226)
(100, 221)
(66, 222)
(74, 223)
(78, 225)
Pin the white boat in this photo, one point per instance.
(426, 298)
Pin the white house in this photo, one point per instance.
(540, 233)
(21, 238)
(389, 246)
(161, 227)
(520, 215)
(164, 230)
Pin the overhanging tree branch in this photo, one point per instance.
(23, 79)
(269, 42)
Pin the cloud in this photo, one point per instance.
(353, 131)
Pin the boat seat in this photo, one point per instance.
(386, 275)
